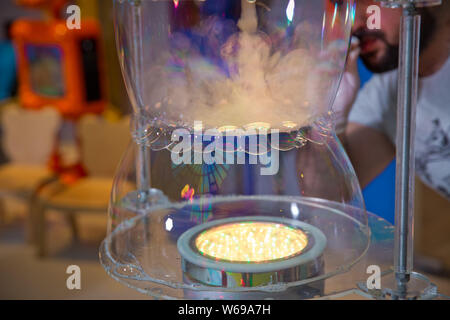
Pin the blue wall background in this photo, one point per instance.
(379, 195)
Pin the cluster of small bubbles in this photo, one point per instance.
(144, 130)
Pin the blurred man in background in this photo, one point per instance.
(367, 120)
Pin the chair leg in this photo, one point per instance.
(40, 230)
(73, 224)
(34, 210)
(32, 223)
(2, 212)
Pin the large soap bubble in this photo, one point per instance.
(234, 149)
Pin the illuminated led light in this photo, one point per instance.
(198, 126)
(251, 251)
(295, 210)
(353, 14)
(176, 3)
(290, 10)
(169, 224)
(334, 15)
(258, 126)
(227, 129)
(289, 124)
(251, 242)
(347, 14)
(324, 21)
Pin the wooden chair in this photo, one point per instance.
(102, 145)
(432, 236)
(28, 139)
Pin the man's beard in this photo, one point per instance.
(389, 61)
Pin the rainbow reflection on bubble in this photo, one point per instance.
(187, 193)
(251, 242)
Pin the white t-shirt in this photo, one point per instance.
(376, 107)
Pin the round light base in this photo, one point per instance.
(227, 274)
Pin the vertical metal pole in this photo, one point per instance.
(406, 118)
(143, 153)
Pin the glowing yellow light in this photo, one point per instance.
(290, 10)
(289, 124)
(259, 126)
(198, 126)
(248, 242)
(227, 128)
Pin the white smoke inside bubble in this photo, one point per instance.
(264, 84)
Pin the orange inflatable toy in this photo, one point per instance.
(58, 66)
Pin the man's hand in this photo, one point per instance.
(370, 151)
(348, 89)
